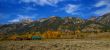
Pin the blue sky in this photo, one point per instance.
(13, 10)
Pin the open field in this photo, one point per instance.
(56, 44)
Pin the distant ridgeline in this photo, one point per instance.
(54, 27)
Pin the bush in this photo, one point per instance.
(52, 34)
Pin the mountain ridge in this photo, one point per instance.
(62, 21)
(56, 23)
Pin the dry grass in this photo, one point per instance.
(90, 41)
(56, 44)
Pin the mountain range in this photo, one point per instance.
(56, 23)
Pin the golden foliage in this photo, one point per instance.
(77, 31)
(13, 37)
(29, 35)
(52, 34)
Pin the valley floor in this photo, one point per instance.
(56, 44)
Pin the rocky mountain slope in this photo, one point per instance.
(55, 23)
(105, 19)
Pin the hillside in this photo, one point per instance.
(53, 24)
(105, 19)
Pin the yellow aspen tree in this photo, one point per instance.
(13, 37)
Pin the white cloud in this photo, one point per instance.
(105, 10)
(70, 8)
(42, 2)
(21, 17)
(100, 3)
(29, 8)
(14, 20)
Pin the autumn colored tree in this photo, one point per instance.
(12, 37)
(52, 34)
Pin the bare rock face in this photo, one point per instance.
(105, 19)
(92, 28)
